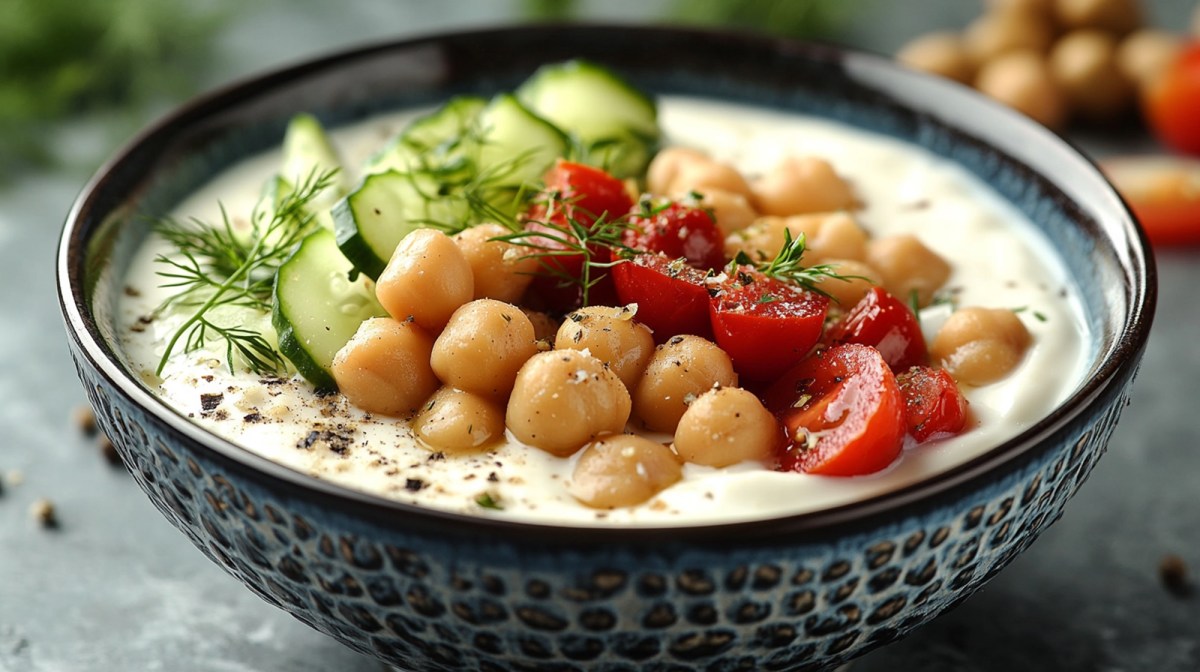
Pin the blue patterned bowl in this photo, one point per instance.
(427, 590)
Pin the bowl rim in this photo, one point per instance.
(1137, 264)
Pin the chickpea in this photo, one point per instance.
(384, 368)
(802, 184)
(611, 335)
(622, 470)
(1022, 80)
(1146, 54)
(733, 212)
(483, 345)
(860, 278)
(837, 236)
(761, 240)
(726, 426)
(832, 235)
(680, 370)
(1115, 16)
(457, 422)
(1084, 63)
(545, 327)
(702, 176)
(1002, 32)
(502, 271)
(980, 345)
(665, 166)
(428, 278)
(563, 399)
(907, 266)
(942, 54)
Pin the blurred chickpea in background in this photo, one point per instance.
(1084, 65)
(1005, 31)
(942, 53)
(1146, 53)
(1022, 80)
(1115, 16)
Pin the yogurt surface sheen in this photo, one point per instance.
(999, 261)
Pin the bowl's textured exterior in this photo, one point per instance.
(432, 591)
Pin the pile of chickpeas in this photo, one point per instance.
(465, 361)
(1054, 60)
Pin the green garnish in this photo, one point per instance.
(215, 267)
(1037, 314)
(487, 500)
(787, 266)
(453, 166)
(573, 238)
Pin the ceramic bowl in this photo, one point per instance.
(427, 590)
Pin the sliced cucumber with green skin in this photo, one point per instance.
(372, 220)
(516, 146)
(308, 153)
(433, 138)
(616, 124)
(318, 308)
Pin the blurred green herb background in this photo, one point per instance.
(63, 57)
(123, 61)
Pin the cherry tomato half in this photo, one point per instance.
(671, 296)
(933, 404)
(580, 194)
(1172, 102)
(884, 322)
(846, 417)
(765, 325)
(676, 230)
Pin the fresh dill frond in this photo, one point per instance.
(600, 244)
(213, 266)
(787, 266)
(460, 192)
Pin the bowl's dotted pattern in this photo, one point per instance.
(796, 605)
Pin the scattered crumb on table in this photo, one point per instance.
(1173, 572)
(42, 511)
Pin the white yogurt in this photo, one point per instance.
(999, 261)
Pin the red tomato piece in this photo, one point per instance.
(582, 194)
(671, 296)
(933, 404)
(1172, 102)
(846, 414)
(1164, 194)
(558, 283)
(678, 231)
(765, 325)
(885, 323)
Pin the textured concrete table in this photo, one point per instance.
(116, 588)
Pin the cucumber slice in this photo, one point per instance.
(307, 153)
(433, 139)
(372, 220)
(516, 146)
(616, 124)
(317, 307)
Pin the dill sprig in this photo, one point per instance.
(596, 243)
(214, 267)
(787, 266)
(464, 192)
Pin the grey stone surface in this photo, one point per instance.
(116, 588)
